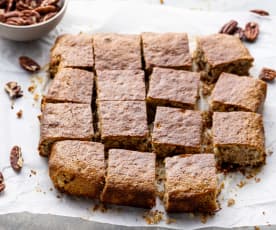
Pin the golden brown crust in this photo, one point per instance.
(191, 183)
(176, 88)
(78, 167)
(221, 49)
(238, 93)
(176, 131)
(62, 121)
(71, 85)
(117, 51)
(121, 85)
(168, 50)
(130, 178)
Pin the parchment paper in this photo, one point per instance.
(25, 192)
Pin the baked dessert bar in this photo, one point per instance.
(61, 121)
(78, 167)
(71, 85)
(219, 53)
(233, 93)
(191, 183)
(167, 50)
(238, 138)
(72, 51)
(175, 88)
(176, 131)
(130, 178)
(123, 124)
(117, 51)
(121, 85)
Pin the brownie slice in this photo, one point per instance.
(123, 124)
(78, 167)
(167, 50)
(121, 85)
(176, 131)
(233, 93)
(175, 88)
(191, 183)
(130, 179)
(219, 53)
(71, 85)
(238, 138)
(117, 51)
(72, 51)
(61, 121)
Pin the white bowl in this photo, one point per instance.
(32, 32)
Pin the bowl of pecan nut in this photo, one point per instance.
(25, 20)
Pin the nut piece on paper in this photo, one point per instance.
(29, 64)
(13, 89)
(16, 159)
(2, 185)
(267, 74)
(251, 31)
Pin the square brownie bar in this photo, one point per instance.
(175, 88)
(191, 183)
(130, 179)
(219, 53)
(176, 131)
(123, 124)
(121, 85)
(71, 85)
(72, 51)
(61, 121)
(238, 138)
(78, 167)
(117, 51)
(233, 93)
(167, 50)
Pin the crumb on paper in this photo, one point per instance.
(58, 196)
(19, 114)
(230, 202)
(263, 212)
(32, 88)
(161, 1)
(39, 117)
(269, 152)
(203, 219)
(241, 184)
(33, 172)
(170, 220)
(38, 189)
(257, 228)
(257, 179)
(51, 189)
(99, 207)
(153, 217)
(36, 97)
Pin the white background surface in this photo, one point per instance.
(32, 194)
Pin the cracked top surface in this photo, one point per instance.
(169, 50)
(246, 92)
(221, 49)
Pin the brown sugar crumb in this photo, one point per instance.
(19, 114)
(203, 219)
(257, 179)
(36, 97)
(32, 88)
(241, 184)
(99, 207)
(153, 217)
(170, 220)
(257, 228)
(230, 202)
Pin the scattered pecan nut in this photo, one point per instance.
(229, 28)
(29, 64)
(16, 159)
(2, 185)
(267, 74)
(260, 12)
(251, 31)
(13, 89)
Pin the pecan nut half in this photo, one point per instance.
(29, 64)
(16, 159)
(13, 89)
(251, 31)
(2, 185)
(267, 74)
(260, 12)
(229, 28)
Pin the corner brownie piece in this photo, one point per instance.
(238, 138)
(175, 88)
(117, 51)
(130, 179)
(233, 92)
(63, 121)
(191, 183)
(121, 85)
(71, 85)
(219, 53)
(72, 51)
(176, 131)
(78, 167)
(167, 50)
(123, 124)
